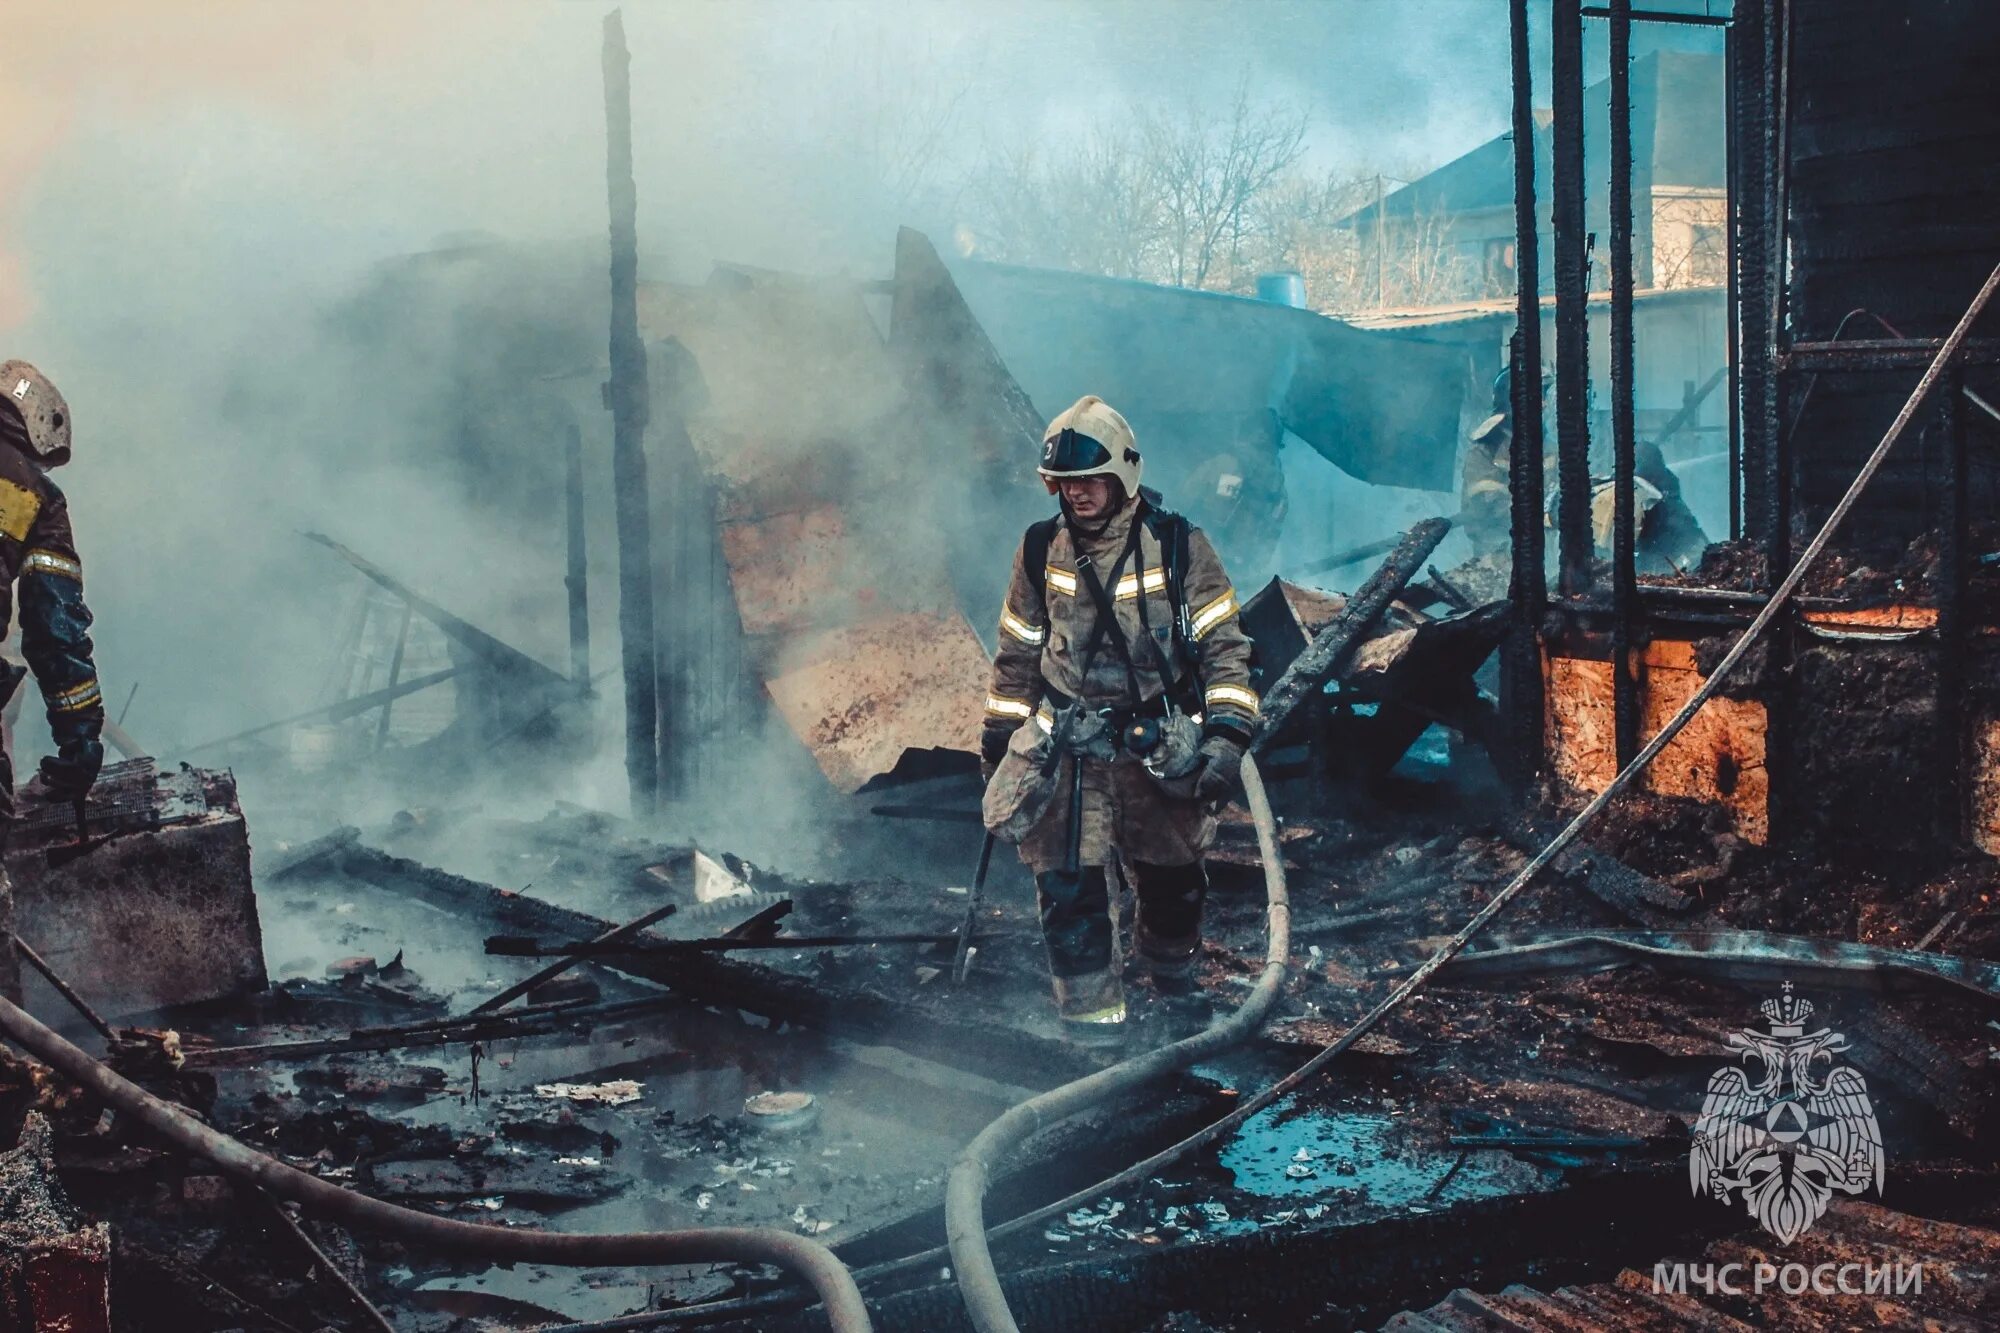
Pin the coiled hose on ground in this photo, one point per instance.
(808, 1259)
(965, 1192)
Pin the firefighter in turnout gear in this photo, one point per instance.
(38, 552)
(1119, 712)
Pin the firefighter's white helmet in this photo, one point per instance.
(28, 393)
(1090, 440)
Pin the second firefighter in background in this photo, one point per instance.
(1119, 711)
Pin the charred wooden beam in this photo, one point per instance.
(1883, 354)
(1624, 579)
(625, 393)
(516, 946)
(1521, 663)
(1572, 298)
(615, 935)
(1330, 649)
(941, 1030)
(529, 1021)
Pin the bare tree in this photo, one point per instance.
(1211, 173)
(1201, 199)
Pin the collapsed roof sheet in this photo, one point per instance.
(1191, 369)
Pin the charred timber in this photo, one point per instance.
(1624, 581)
(938, 1032)
(514, 946)
(563, 1016)
(1521, 664)
(1884, 354)
(625, 393)
(615, 935)
(1330, 650)
(1572, 298)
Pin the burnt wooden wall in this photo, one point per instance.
(1894, 207)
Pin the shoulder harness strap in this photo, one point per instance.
(1035, 552)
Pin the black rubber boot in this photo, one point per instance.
(1076, 927)
(1167, 937)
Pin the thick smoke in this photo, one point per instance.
(206, 203)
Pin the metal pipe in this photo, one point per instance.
(965, 1192)
(1521, 681)
(1624, 578)
(63, 988)
(626, 395)
(1572, 299)
(806, 1258)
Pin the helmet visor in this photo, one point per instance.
(1071, 452)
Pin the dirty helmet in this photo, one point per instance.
(1090, 440)
(39, 407)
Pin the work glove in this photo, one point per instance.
(1222, 758)
(993, 741)
(69, 774)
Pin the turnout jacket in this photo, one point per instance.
(38, 554)
(1047, 621)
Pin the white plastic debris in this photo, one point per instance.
(713, 882)
(578, 1161)
(615, 1093)
(1300, 1171)
(1083, 1219)
(1214, 1212)
(807, 1223)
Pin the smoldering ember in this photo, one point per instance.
(963, 713)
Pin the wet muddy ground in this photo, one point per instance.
(1475, 1097)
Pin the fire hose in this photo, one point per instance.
(978, 1282)
(968, 1249)
(807, 1259)
(965, 1192)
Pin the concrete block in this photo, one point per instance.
(154, 908)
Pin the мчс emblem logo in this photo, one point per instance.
(1786, 1134)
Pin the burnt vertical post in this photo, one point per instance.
(576, 579)
(1521, 681)
(1572, 297)
(1624, 579)
(1732, 162)
(395, 675)
(1951, 640)
(1755, 130)
(626, 395)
